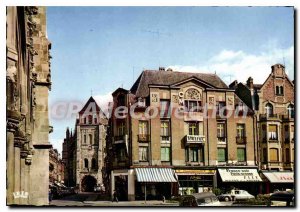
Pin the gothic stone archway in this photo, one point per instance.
(87, 183)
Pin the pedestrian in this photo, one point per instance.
(115, 196)
(50, 195)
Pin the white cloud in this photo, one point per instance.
(103, 101)
(238, 65)
(57, 144)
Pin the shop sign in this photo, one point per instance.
(239, 175)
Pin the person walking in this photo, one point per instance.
(115, 196)
(50, 195)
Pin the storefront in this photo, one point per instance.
(239, 178)
(154, 183)
(277, 181)
(195, 181)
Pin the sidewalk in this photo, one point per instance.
(139, 203)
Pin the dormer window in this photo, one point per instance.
(141, 102)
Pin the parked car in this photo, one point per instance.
(199, 199)
(235, 194)
(282, 198)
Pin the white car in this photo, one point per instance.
(236, 194)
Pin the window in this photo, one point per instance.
(269, 109)
(143, 128)
(84, 139)
(143, 153)
(194, 154)
(265, 155)
(240, 131)
(94, 163)
(141, 102)
(221, 154)
(241, 154)
(221, 109)
(164, 108)
(95, 118)
(292, 132)
(279, 90)
(193, 128)
(86, 163)
(90, 119)
(192, 106)
(121, 154)
(121, 100)
(85, 120)
(121, 129)
(186, 154)
(164, 130)
(221, 132)
(264, 132)
(291, 112)
(91, 139)
(273, 132)
(274, 155)
(165, 153)
(287, 155)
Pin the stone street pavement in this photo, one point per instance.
(94, 200)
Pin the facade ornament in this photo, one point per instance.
(211, 100)
(192, 94)
(230, 100)
(154, 97)
(175, 98)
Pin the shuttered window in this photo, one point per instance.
(274, 155)
(241, 154)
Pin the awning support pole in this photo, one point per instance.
(145, 193)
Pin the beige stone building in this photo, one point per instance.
(56, 167)
(28, 80)
(166, 146)
(85, 165)
(273, 102)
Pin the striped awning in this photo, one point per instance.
(155, 175)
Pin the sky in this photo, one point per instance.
(96, 50)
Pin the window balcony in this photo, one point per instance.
(241, 140)
(222, 140)
(143, 138)
(165, 139)
(119, 139)
(195, 139)
(265, 117)
(288, 117)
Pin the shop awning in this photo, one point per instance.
(279, 177)
(239, 175)
(155, 175)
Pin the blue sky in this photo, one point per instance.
(103, 48)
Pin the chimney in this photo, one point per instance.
(161, 69)
(250, 82)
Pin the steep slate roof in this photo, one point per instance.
(91, 100)
(148, 77)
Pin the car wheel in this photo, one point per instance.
(226, 199)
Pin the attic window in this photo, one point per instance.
(141, 102)
(279, 90)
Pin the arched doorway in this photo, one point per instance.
(87, 184)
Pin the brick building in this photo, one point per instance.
(28, 81)
(273, 102)
(179, 149)
(84, 151)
